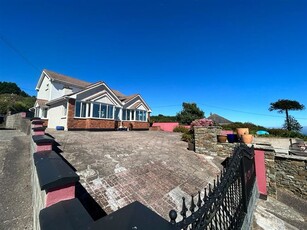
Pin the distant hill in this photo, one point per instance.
(13, 99)
(304, 130)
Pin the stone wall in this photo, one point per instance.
(270, 166)
(18, 121)
(291, 174)
(285, 171)
(206, 142)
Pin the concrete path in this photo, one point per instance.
(15, 181)
(287, 212)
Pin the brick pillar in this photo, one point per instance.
(70, 113)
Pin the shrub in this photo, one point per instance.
(252, 127)
(286, 133)
(181, 129)
(188, 137)
(202, 122)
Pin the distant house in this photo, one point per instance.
(217, 119)
(79, 105)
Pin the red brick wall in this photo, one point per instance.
(136, 125)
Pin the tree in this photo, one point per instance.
(292, 124)
(284, 105)
(12, 88)
(189, 113)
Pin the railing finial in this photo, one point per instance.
(173, 215)
(184, 210)
(192, 208)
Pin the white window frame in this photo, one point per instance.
(44, 112)
(82, 104)
(99, 111)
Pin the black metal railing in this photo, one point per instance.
(224, 203)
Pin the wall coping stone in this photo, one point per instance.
(133, 216)
(261, 146)
(53, 173)
(42, 128)
(292, 157)
(35, 118)
(42, 139)
(68, 215)
(38, 156)
(37, 122)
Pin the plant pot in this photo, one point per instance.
(221, 138)
(191, 146)
(242, 131)
(232, 138)
(247, 138)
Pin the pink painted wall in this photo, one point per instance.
(260, 173)
(59, 194)
(168, 126)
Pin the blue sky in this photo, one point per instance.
(232, 58)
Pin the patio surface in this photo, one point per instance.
(154, 168)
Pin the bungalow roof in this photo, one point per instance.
(66, 79)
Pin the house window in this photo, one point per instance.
(80, 109)
(64, 110)
(128, 114)
(103, 113)
(96, 108)
(140, 115)
(45, 111)
(110, 111)
(36, 114)
(102, 110)
(124, 114)
(117, 111)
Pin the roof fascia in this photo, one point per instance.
(41, 78)
(142, 100)
(56, 100)
(74, 96)
(67, 83)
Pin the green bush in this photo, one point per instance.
(188, 137)
(286, 133)
(252, 127)
(181, 129)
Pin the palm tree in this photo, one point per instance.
(286, 105)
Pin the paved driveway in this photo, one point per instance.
(154, 168)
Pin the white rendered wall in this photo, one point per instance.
(56, 116)
(44, 90)
(105, 100)
(58, 90)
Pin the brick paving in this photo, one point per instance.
(152, 167)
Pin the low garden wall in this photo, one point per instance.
(167, 126)
(281, 170)
(291, 174)
(206, 142)
(19, 121)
